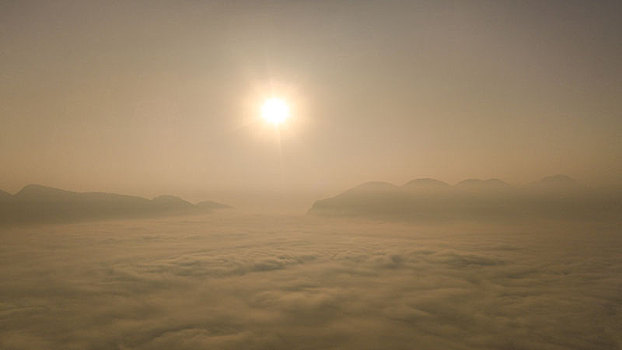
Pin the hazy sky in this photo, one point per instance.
(150, 97)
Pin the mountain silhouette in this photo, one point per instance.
(171, 202)
(429, 188)
(366, 199)
(425, 183)
(44, 193)
(374, 187)
(472, 199)
(42, 204)
(489, 183)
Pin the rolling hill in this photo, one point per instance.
(557, 197)
(42, 204)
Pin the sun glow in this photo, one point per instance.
(275, 111)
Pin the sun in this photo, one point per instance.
(275, 111)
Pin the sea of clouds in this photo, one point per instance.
(241, 281)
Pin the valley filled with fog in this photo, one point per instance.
(231, 280)
(285, 175)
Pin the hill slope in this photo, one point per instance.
(555, 198)
(42, 204)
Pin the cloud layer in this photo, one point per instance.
(230, 281)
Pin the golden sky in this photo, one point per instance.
(149, 97)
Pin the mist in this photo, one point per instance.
(230, 281)
(279, 174)
(147, 98)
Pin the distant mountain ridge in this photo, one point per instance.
(375, 186)
(553, 197)
(479, 182)
(425, 182)
(43, 204)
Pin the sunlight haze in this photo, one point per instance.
(150, 97)
(306, 174)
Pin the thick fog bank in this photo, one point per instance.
(226, 281)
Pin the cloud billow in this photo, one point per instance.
(233, 282)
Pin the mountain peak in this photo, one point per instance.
(40, 191)
(372, 187)
(425, 182)
(37, 203)
(171, 201)
(478, 182)
(375, 186)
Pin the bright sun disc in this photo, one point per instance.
(275, 111)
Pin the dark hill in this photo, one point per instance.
(373, 187)
(489, 183)
(370, 198)
(472, 199)
(425, 183)
(167, 201)
(41, 204)
(43, 193)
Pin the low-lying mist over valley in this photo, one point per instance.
(477, 265)
(266, 175)
(424, 200)
(229, 281)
